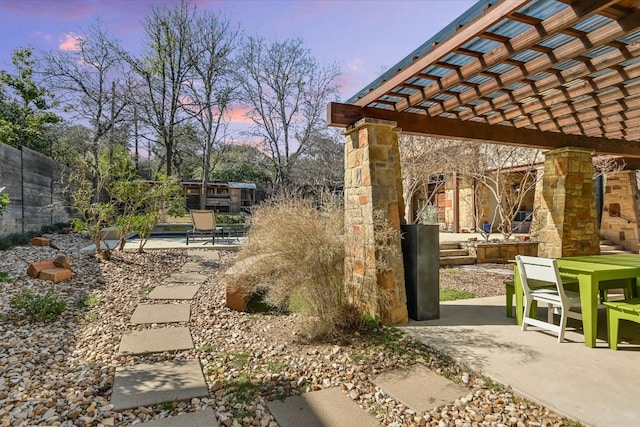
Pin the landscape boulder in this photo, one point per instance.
(235, 299)
(39, 241)
(35, 268)
(62, 261)
(54, 271)
(55, 274)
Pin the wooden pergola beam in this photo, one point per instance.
(619, 121)
(603, 35)
(567, 114)
(564, 95)
(343, 115)
(579, 71)
(604, 114)
(531, 37)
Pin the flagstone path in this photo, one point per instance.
(416, 386)
(172, 380)
(152, 384)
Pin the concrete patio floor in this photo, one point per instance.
(177, 242)
(233, 243)
(596, 386)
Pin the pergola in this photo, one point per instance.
(562, 75)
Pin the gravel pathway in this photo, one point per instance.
(61, 373)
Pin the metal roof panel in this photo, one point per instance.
(634, 37)
(509, 28)
(556, 40)
(592, 23)
(543, 9)
(480, 44)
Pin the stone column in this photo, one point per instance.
(373, 197)
(621, 210)
(566, 206)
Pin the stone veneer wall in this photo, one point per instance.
(373, 183)
(621, 210)
(565, 205)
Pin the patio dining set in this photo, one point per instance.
(577, 282)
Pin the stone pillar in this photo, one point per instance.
(565, 205)
(621, 209)
(373, 196)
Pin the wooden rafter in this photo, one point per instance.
(610, 91)
(604, 105)
(602, 35)
(579, 71)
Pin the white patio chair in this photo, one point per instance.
(557, 299)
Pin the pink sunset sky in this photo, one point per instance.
(362, 37)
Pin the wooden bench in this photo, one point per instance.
(620, 310)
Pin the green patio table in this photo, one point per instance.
(589, 273)
(626, 259)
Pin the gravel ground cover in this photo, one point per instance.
(484, 280)
(61, 373)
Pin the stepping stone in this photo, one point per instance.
(419, 388)
(152, 384)
(187, 278)
(156, 340)
(325, 408)
(192, 267)
(204, 255)
(174, 292)
(161, 313)
(206, 418)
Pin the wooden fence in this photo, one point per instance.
(33, 182)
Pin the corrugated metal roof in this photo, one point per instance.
(247, 185)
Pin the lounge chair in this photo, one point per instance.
(204, 223)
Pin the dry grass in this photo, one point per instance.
(294, 256)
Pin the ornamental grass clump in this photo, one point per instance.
(294, 258)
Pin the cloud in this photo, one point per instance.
(70, 42)
(237, 114)
(350, 83)
(356, 64)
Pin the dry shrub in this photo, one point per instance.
(294, 257)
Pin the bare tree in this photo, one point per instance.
(91, 81)
(422, 159)
(322, 165)
(210, 88)
(604, 164)
(163, 72)
(508, 174)
(287, 92)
